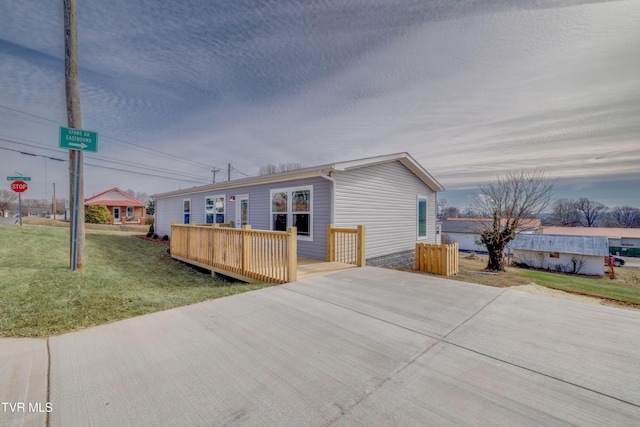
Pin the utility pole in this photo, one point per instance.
(54, 201)
(229, 172)
(215, 171)
(74, 120)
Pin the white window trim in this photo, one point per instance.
(426, 220)
(289, 191)
(183, 212)
(224, 212)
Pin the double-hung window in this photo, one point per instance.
(186, 210)
(422, 218)
(214, 209)
(291, 207)
(129, 211)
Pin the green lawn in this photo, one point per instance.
(622, 290)
(124, 277)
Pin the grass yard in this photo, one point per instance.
(625, 288)
(125, 277)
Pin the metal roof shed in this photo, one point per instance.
(577, 254)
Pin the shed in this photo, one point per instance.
(393, 196)
(569, 254)
(466, 231)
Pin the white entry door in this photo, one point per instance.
(116, 214)
(242, 211)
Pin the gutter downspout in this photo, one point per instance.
(322, 174)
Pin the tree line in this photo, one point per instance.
(581, 212)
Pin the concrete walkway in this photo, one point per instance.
(361, 347)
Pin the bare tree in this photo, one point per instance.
(7, 199)
(440, 206)
(565, 213)
(469, 212)
(450, 212)
(59, 206)
(512, 199)
(140, 195)
(589, 212)
(271, 169)
(625, 217)
(31, 206)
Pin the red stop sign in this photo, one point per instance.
(19, 186)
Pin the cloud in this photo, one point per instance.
(469, 88)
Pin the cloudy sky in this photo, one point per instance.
(470, 88)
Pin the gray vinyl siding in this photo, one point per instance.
(170, 209)
(383, 198)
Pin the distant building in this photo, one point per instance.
(622, 241)
(466, 231)
(124, 208)
(568, 254)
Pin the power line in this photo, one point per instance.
(241, 173)
(129, 171)
(127, 143)
(106, 159)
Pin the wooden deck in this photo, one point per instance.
(263, 255)
(309, 267)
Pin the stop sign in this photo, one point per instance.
(19, 186)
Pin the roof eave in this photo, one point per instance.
(265, 179)
(404, 158)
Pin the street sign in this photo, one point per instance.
(18, 178)
(78, 139)
(19, 186)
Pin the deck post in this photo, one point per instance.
(331, 244)
(361, 259)
(246, 248)
(171, 248)
(292, 262)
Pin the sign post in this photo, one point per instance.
(19, 187)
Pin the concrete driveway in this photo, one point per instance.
(362, 347)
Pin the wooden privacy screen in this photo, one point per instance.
(437, 259)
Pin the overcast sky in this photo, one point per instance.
(469, 88)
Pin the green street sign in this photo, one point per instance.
(19, 178)
(78, 139)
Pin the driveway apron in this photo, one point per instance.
(365, 346)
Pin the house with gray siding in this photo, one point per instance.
(393, 196)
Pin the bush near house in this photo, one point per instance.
(97, 214)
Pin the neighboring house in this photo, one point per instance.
(393, 196)
(569, 254)
(466, 231)
(622, 241)
(124, 208)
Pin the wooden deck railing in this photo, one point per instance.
(224, 224)
(245, 254)
(437, 259)
(346, 245)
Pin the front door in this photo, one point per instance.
(242, 211)
(116, 214)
